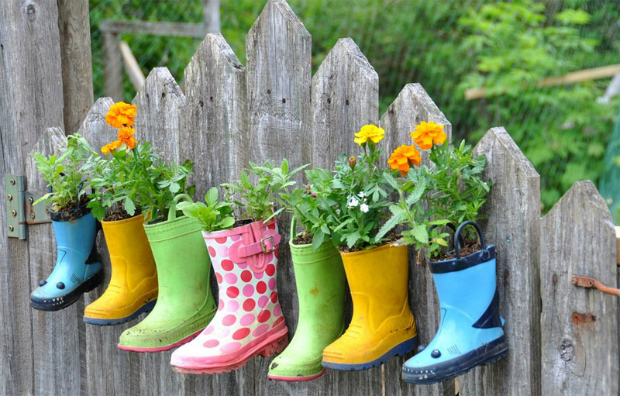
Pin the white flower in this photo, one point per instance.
(364, 208)
(352, 202)
(361, 194)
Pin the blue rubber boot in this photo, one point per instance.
(78, 268)
(471, 330)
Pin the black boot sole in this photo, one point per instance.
(58, 303)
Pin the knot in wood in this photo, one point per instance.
(29, 10)
(567, 350)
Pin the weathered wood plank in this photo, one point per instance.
(31, 99)
(214, 130)
(211, 15)
(56, 361)
(278, 77)
(578, 238)
(170, 29)
(345, 97)
(513, 225)
(159, 113)
(112, 66)
(412, 106)
(77, 69)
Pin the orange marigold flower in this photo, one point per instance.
(428, 133)
(372, 132)
(403, 158)
(125, 135)
(111, 146)
(121, 114)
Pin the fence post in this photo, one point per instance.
(513, 225)
(412, 106)
(112, 66)
(579, 353)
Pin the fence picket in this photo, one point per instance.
(578, 238)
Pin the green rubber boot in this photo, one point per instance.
(320, 281)
(185, 304)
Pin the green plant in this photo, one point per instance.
(212, 215)
(66, 173)
(258, 201)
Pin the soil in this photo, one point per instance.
(156, 221)
(471, 246)
(119, 214)
(243, 222)
(72, 205)
(392, 237)
(303, 239)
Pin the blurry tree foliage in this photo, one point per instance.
(448, 46)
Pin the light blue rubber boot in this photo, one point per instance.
(471, 331)
(78, 268)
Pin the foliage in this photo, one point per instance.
(65, 173)
(212, 215)
(258, 201)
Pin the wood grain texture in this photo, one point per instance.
(77, 69)
(112, 66)
(56, 361)
(215, 119)
(513, 225)
(578, 238)
(345, 97)
(412, 106)
(31, 99)
(159, 113)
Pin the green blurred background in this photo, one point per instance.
(448, 46)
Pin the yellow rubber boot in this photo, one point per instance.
(382, 325)
(133, 284)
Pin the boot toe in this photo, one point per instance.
(294, 367)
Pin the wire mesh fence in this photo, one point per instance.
(449, 47)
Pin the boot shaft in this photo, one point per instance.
(75, 237)
(182, 261)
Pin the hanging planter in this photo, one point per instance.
(185, 304)
(471, 330)
(320, 281)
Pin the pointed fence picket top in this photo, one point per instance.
(215, 121)
(57, 363)
(345, 96)
(410, 107)
(578, 238)
(159, 117)
(513, 225)
(278, 51)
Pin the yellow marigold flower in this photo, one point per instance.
(125, 135)
(403, 158)
(428, 133)
(121, 114)
(372, 132)
(111, 146)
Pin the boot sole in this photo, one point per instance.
(399, 350)
(296, 379)
(162, 348)
(267, 349)
(485, 355)
(146, 308)
(58, 303)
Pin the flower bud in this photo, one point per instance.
(352, 162)
(313, 195)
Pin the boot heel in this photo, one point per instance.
(94, 281)
(275, 347)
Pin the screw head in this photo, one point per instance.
(9, 197)
(30, 200)
(32, 215)
(12, 181)
(11, 228)
(14, 213)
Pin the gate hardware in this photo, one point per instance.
(583, 281)
(579, 318)
(20, 207)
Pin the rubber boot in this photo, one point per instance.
(133, 284)
(382, 325)
(78, 268)
(320, 280)
(185, 303)
(470, 331)
(249, 319)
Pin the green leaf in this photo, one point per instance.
(317, 240)
(130, 207)
(420, 233)
(352, 238)
(212, 196)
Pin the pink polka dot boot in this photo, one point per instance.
(249, 319)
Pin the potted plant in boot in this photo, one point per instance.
(356, 200)
(124, 181)
(185, 303)
(471, 330)
(244, 255)
(320, 281)
(78, 268)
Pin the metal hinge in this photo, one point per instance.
(588, 283)
(20, 207)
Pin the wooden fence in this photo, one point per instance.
(274, 108)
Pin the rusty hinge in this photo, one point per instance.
(580, 318)
(584, 281)
(20, 207)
